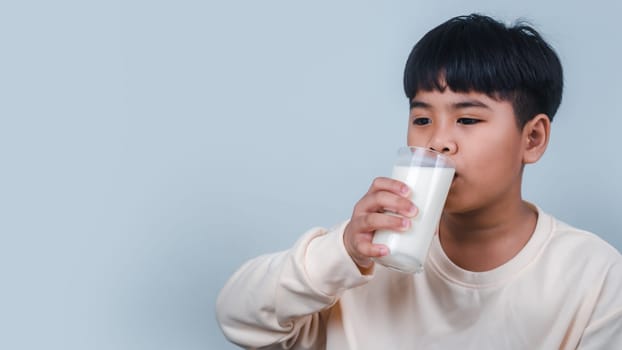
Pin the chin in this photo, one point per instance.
(450, 207)
(455, 206)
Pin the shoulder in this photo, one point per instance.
(593, 269)
(582, 244)
(576, 257)
(582, 261)
(585, 263)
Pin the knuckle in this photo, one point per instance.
(377, 182)
(386, 200)
(375, 197)
(403, 203)
(359, 223)
(397, 222)
(357, 207)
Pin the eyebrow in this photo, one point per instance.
(419, 104)
(468, 103)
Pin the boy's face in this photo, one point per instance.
(480, 135)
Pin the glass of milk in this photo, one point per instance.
(429, 175)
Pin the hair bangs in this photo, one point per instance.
(465, 59)
(475, 53)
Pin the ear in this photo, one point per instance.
(536, 133)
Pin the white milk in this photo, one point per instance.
(409, 249)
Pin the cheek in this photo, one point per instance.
(505, 172)
(502, 141)
(494, 157)
(416, 139)
(421, 136)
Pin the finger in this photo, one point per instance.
(386, 201)
(377, 221)
(368, 249)
(390, 185)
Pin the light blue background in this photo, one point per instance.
(148, 148)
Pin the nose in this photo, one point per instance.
(442, 141)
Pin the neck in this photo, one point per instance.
(486, 238)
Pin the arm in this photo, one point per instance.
(282, 298)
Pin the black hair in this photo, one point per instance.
(478, 53)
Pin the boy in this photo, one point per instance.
(500, 274)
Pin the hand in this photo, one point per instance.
(369, 215)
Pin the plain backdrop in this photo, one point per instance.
(149, 148)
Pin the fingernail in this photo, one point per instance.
(405, 190)
(412, 211)
(383, 251)
(405, 223)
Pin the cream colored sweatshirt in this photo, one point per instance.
(563, 290)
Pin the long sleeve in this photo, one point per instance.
(282, 299)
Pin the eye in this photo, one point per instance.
(468, 121)
(421, 121)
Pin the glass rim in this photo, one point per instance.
(446, 159)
